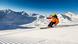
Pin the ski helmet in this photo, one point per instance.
(53, 14)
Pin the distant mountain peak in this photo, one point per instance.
(7, 11)
(70, 14)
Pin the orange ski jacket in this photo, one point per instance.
(53, 19)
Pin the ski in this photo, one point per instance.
(44, 27)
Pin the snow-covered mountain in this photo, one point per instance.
(72, 16)
(68, 17)
(40, 21)
(10, 17)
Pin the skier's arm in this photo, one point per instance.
(49, 17)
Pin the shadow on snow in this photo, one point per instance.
(11, 27)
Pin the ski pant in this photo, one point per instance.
(51, 24)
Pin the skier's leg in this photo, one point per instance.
(50, 24)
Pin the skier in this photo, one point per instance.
(53, 20)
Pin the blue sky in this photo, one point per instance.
(41, 6)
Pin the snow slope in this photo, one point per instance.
(60, 35)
